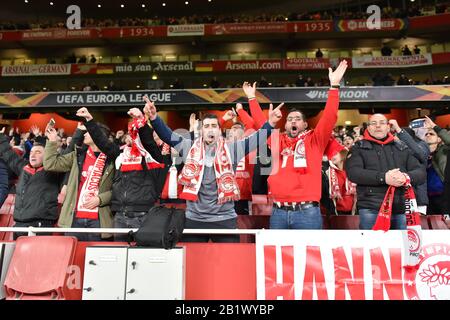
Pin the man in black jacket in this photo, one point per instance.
(37, 189)
(376, 162)
(134, 189)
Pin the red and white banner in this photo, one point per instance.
(350, 265)
(186, 30)
(306, 63)
(36, 70)
(362, 25)
(245, 28)
(248, 65)
(392, 61)
(57, 34)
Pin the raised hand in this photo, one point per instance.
(275, 114)
(228, 115)
(249, 90)
(84, 113)
(239, 107)
(51, 134)
(150, 109)
(336, 75)
(3, 130)
(394, 125)
(35, 130)
(119, 134)
(135, 113)
(429, 124)
(81, 126)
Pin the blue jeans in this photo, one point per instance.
(310, 218)
(367, 218)
(85, 223)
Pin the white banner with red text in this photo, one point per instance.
(392, 61)
(36, 70)
(350, 265)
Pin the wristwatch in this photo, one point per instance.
(336, 86)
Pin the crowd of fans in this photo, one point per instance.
(106, 179)
(387, 12)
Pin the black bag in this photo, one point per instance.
(162, 228)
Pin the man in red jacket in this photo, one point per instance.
(295, 181)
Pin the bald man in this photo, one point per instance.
(377, 162)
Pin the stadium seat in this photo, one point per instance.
(344, 222)
(437, 222)
(30, 275)
(252, 222)
(424, 222)
(6, 220)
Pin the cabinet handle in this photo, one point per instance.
(131, 291)
(89, 289)
(92, 262)
(133, 264)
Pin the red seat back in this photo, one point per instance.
(39, 267)
(437, 222)
(344, 222)
(252, 222)
(424, 222)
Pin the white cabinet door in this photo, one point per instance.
(6, 252)
(105, 273)
(155, 274)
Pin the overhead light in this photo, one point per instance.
(51, 3)
(99, 5)
(26, 1)
(347, 123)
(164, 4)
(143, 5)
(122, 5)
(209, 0)
(186, 3)
(138, 86)
(154, 77)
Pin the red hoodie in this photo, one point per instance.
(287, 184)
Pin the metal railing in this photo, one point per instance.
(32, 231)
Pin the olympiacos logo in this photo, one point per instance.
(431, 279)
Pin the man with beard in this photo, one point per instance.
(295, 181)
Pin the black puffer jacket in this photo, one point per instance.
(366, 165)
(37, 190)
(132, 191)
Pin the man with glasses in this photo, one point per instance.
(438, 141)
(374, 164)
(295, 180)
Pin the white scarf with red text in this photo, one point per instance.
(91, 185)
(192, 174)
(131, 157)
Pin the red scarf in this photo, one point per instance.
(294, 147)
(414, 239)
(389, 139)
(335, 192)
(131, 157)
(192, 174)
(93, 169)
(32, 170)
